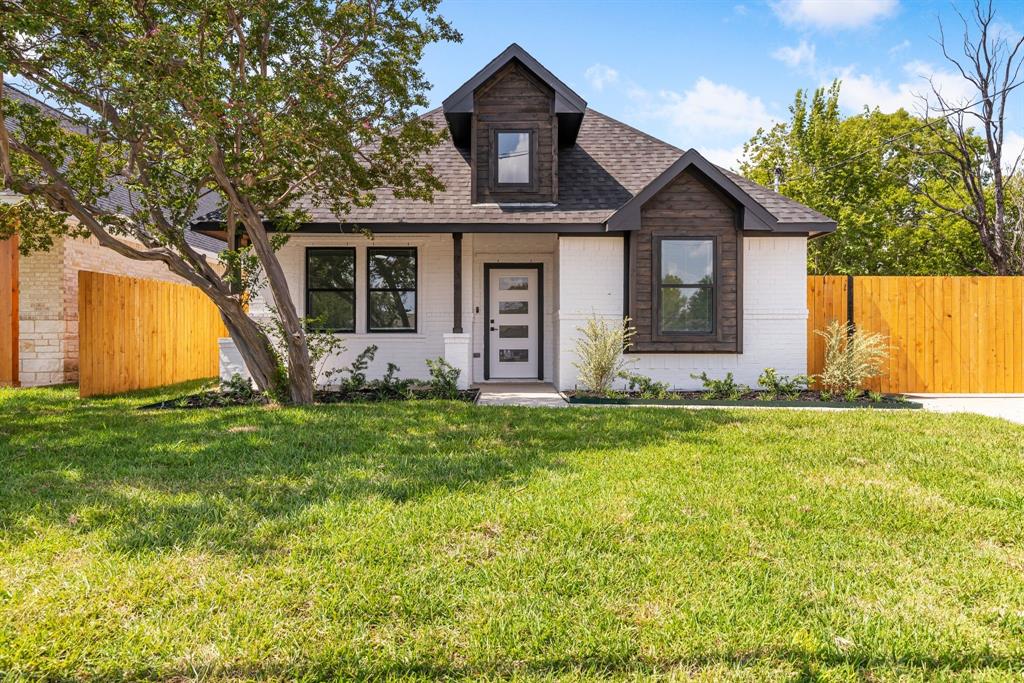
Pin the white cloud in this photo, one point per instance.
(800, 56)
(600, 75)
(859, 89)
(899, 47)
(1013, 147)
(711, 107)
(833, 14)
(725, 157)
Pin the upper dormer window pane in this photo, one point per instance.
(514, 158)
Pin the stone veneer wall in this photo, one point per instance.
(48, 283)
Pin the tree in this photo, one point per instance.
(262, 103)
(984, 179)
(866, 172)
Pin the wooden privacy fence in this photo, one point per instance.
(9, 312)
(136, 334)
(945, 334)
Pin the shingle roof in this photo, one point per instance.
(610, 163)
(119, 198)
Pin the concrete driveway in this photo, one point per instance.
(1007, 406)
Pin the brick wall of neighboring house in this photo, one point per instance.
(48, 348)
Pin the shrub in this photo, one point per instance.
(390, 387)
(599, 350)
(776, 385)
(238, 389)
(721, 389)
(850, 359)
(645, 386)
(356, 372)
(444, 379)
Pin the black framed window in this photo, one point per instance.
(391, 289)
(515, 157)
(331, 288)
(686, 286)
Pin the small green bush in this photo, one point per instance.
(645, 386)
(356, 380)
(775, 385)
(721, 389)
(599, 350)
(390, 387)
(444, 379)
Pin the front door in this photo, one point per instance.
(513, 326)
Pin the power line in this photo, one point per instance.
(891, 140)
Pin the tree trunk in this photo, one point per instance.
(253, 344)
(300, 369)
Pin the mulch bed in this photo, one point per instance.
(217, 399)
(750, 398)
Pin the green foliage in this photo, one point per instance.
(444, 379)
(645, 386)
(775, 385)
(721, 389)
(850, 359)
(852, 394)
(875, 397)
(887, 226)
(390, 387)
(599, 349)
(323, 345)
(356, 371)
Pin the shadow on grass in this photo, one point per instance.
(161, 479)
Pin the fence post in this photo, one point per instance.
(851, 324)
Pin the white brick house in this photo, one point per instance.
(553, 213)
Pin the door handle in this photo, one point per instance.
(493, 329)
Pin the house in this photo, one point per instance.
(47, 285)
(554, 213)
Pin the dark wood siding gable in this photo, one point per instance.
(689, 207)
(513, 99)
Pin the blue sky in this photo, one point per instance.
(707, 74)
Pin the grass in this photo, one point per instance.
(428, 539)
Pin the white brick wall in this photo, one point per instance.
(407, 350)
(774, 310)
(410, 351)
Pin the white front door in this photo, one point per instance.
(512, 330)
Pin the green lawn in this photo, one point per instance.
(431, 539)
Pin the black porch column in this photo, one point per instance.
(457, 291)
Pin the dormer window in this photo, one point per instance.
(514, 158)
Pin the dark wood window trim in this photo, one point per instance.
(531, 185)
(657, 334)
(370, 253)
(310, 251)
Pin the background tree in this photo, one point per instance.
(261, 103)
(867, 172)
(979, 191)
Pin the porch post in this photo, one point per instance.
(458, 346)
(457, 292)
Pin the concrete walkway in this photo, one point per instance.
(534, 394)
(1007, 406)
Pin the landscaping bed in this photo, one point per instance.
(751, 398)
(215, 398)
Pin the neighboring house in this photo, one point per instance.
(48, 286)
(554, 213)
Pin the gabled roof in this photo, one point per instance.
(566, 100)
(754, 215)
(569, 107)
(610, 164)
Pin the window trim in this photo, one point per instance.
(370, 252)
(531, 184)
(355, 295)
(665, 335)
